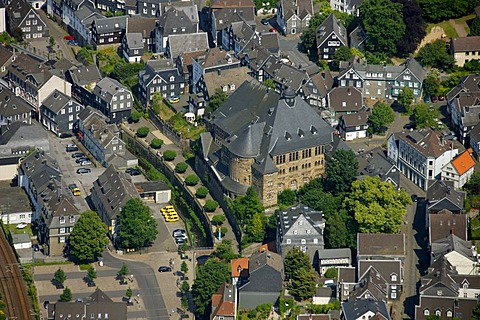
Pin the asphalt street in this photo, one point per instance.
(146, 282)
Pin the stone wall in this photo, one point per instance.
(241, 169)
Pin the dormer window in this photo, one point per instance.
(393, 277)
(225, 88)
(172, 78)
(174, 30)
(426, 312)
(62, 219)
(183, 29)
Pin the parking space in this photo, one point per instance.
(164, 241)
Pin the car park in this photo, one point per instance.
(83, 170)
(164, 269)
(78, 155)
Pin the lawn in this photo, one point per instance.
(108, 58)
(13, 229)
(475, 228)
(187, 129)
(447, 28)
(163, 111)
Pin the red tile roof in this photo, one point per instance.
(463, 162)
(240, 262)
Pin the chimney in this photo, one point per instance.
(349, 92)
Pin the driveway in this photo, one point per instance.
(289, 48)
(58, 33)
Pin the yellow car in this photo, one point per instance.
(174, 99)
(172, 218)
(167, 210)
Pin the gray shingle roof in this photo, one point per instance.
(183, 43)
(107, 88)
(355, 309)
(381, 244)
(345, 99)
(56, 101)
(11, 105)
(111, 24)
(21, 137)
(329, 25)
(85, 75)
(289, 216)
(265, 273)
(134, 40)
(442, 195)
(299, 7)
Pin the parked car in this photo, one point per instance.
(409, 126)
(441, 97)
(80, 160)
(178, 232)
(264, 21)
(172, 217)
(272, 30)
(74, 189)
(72, 43)
(69, 37)
(181, 236)
(433, 98)
(36, 247)
(84, 170)
(133, 172)
(174, 99)
(71, 149)
(86, 162)
(164, 269)
(78, 155)
(414, 197)
(45, 304)
(180, 240)
(426, 99)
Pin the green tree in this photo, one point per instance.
(18, 34)
(192, 180)
(342, 169)
(59, 276)
(415, 27)
(156, 143)
(255, 229)
(184, 287)
(473, 184)
(434, 317)
(66, 296)
(181, 167)
(423, 117)
(376, 205)
(135, 116)
(52, 42)
(244, 207)
(89, 237)
(123, 271)
(476, 312)
(129, 293)
(331, 273)
(475, 27)
(382, 115)
(137, 226)
(217, 100)
(405, 99)
(343, 53)
(269, 83)
(201, 193)
(286, 198)
(302, 286)
(436, 55)
(309, 35)
(169, 155)
(218, 219)
(224, 250)
(210, 277)
(296, 259)
(261, 311)
(184, 268)
(431, 84)
(341, 230)
(383, 23)
(439, 10)
(91, 274)
(142, 132)
(210, 205)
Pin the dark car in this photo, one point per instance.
(409, 126)
(433, 98)
(133, 172)
(83, 170)
(264, 21)
(72, 43)
(71, 148)
(45, 304)
(441, 97)
(414, 197)
(78, 155)
(36, 247)
(164, 269)
(80, 160)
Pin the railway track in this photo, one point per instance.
(14, 291)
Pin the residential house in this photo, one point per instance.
(239, 271)
(293, 16)
(358, 38)
(32, 81)
(54, 212)
(241, 36)
(376, 164)
(460, 169)
(365, 309)
(254, 58)
(468, 84)
(146, 27)
(379, 280)
(444, 223)
(15, 204)
(97, 304)
(331, 34)
(108, 32)
(224, 13)
(55, 9)
(179, 44)
(283, 75)
(382, 81)
(21, 16)
(420, 155)
(113, 99)
(380, 246)
(475, 141)
(224, 303)
(133, 47)
(78, 16)
(153, 8)
(59, 113)
(343, 101)
(110, 192)
(184, 63)
(464, 114)
(174, 22)
(353, 126)
(103, 140)
(347, 6)
(6, 56)
(13, 109)
(465, 49)
(83, 80)
(261, 139)
(301, 227)
(265, 280)
(160, 76)
(316, 88)
(345, 282)
(333, 258)
(443, 195)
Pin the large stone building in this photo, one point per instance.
(261, 139)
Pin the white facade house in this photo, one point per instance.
(347, 6)
(2, 19)
(460, 169)
(420, 155)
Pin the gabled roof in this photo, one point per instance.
(142, 25)
(358, 36)
(426, 141)
(11, 105)
(185, 43)
(5, 55)
(265, 273)
(355, 119)
(134, 40)
(111, 24)
(314, 219)
(347, 274)
(84, 75)
(355, 309)
(372, 285)
(321, 81)
(459, 250)
(215, 57)
(173, 20)
(444, 222)
(462, 44)
(107, 88)
(300, 8)
(228, 77)
(469, 83)
(217, 4)
(224, 17)
(380, 244)
(385, 268)
(223, 302)
(30, 70)
(463, 162)
(442, 195)
(57, 100)
(331, 25)
(345, 99)
(239, 267)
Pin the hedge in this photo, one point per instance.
(191, 180)
(169, 155)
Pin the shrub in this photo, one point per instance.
(169, 155)
(156, 143)
(201, 192)
(181, 167)
(142, 132)
(191, 180)
(210, 205)
(135, 116)
(331, 273)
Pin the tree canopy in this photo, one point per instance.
(302, 286)
(431, 84)
(210, 277)
(382, 115)
(89, 237)
(249, 210)
(217, 100)
(405, 99)
(376, 205)
(436, 55)
(423, 117)
(415, 29)
(286, 198)
(343, 53)
(137, 226)
(475, 27)
(439, 10)
(342, 169)
(383, 23)
(296, 259)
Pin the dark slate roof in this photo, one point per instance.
(112, 24)
(347, 274)
(381, 244)
(372, 285)
(5, 54)
(386, 268)
(462, 44)
(452, 243)
(20, 136)
(443, 223)
(335, 253)
(150, 186)
(63, 64)
(288, 217)
(354, 309)
(358, 35)
(426, 141)
(107, 88)
(134, 40)
(470, 84)
(321, 81)
(475, 132)
(176, 19)
(439, 276)
(11, 105)
(345, 99)
(265, 273)
(84, 75)
(442, 195)
(16, 11)
(25, 66)
(224, 17)
(56, 101)
(378, 165)
(329, 25)
(299, 7)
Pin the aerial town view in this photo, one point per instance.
(239, 159)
